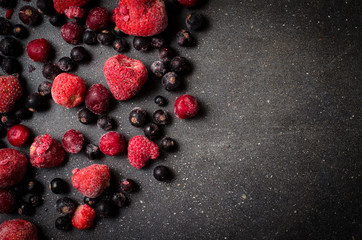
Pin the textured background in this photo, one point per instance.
(275, 152)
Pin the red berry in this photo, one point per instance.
(141, 150)
(45, 152)
(83, 217)
(7, 201)
(74, 12)
(9, 13)
(73, 141)
(12, 167)
(71, 32)
(112, 143)
(97, 99)
(186, 106)
(189, 3)
(18, 229)
(97, 19)
(18, 135)
(38, 50)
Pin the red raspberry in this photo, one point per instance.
(140, 150)
(189, 3)
(83, 217)
(7, 201)
(72, 32)
(98, 99)
(112, 143)
(45, 152)
(12, 167)
(74, 12)
(186, 106)
(18, 135)
(73, 141)
(38, 50)
(18, 229)
(97, 19)
(92, 180)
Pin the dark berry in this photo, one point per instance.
(65, 206)
(152, 131)
(38, 50)
(128, 185)
(5, 26)
(7, 201)
(161, 173)
(138, 117)
(66, 64)
(119, 199)
(92, 151)
(8, 120)
(161, 117)
(45, 88)
(29, 15)
(34, 102)
(141, 43)
(120, 45)
(90, 37)
(85, 116)
(19, 31)
(34, 187)
(105, 37)
(22, 113)
(90, 201)
(18, 135)
(58, 186)
(117, 32)
(2, 145)
(10, 65)
(158, 68)
(180, 65)
(103, 209)
(194, 21)
(97, 19)
(160, 101)
(167, 144)
(51, 70)
(72, 32)
(45, 6)
(165, 54)
(158, 41)
(79, 54)
(63, 223)
(184, 38)
(20, 189)
(8, 3)
(35, 200)
(26, 209)
(106, 123)
(98, 99)
(3, 132)
(171, 81)
(9, 46)
(57, 20)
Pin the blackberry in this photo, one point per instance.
(184, 38)
(85, 116)
(152, 131)
(79, 54)
(160, 101)
(19, 31)
(9, 46)
(161, 173)
(90, 37)
(180, 65)
(167, 144)
(63, 223)
(171, 81)
(92, 151)
(58, 186)
(51, 70)
(45, 88)
(66, 64)
(195, 21)
(105, 38)
(120, 45)
(141, 43)
(34, 102)
(161, 117)
(158, 68)
(138, 117)
(105, 122)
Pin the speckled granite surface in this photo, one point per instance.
(276, 150)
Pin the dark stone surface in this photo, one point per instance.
(275, 152)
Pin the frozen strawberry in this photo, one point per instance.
(112, 143)
(186, 106)
(125, 76)
(10, 92)
(18, 229)
(140, 150)
(92, 180)
(83, 217)
(68, 90)
(73, 141)
(45, 152)
(141, 17)
(12, 167)
(61, 5)
(74, 12)
(38, 50)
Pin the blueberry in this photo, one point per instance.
(51, 70)
(160, 101)
(29, 15)
(90, 201)
(138, 117)
(180, 65)
(92, 151)
(158, 68)
(161, 173)
(119, 199)
(8, 120)
(141, 43)
(90, 37)
(10, 65)
(105, 38)
(34, 102)
(103, 209)
(35, 200)
(161, 117)
(85, 116)
(45, 88)
(65, 206)
(171, 81)
(34, 187)
(184, 38)
(165, 54)
(5, 26)
(66, 64)
(128, 185)
(120, 45)
(26, 209)
(158, 41)
(167, 144)
(9, 46)
(45, 6)
(79, 54)
(19, 31)
(152, 131)
(57, 19)
(63, 223)
(22, 113)
(105, 122)
(194, 21)
(58, 186)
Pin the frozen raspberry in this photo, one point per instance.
(84, 217)
(7, 201)
(92, 180)
(74, 12)
(73, 141)
(45, 152)
(97, 99)
(72, 32)
(38, 50)
(140, 150)
(112, 143)
(12, 166)
(18, 229)
(68, 90)
(97, 19)
(18, 135)
(186, 106)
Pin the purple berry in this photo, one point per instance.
(98, 99)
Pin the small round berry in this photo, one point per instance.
(29, 15)
(90, 201)
(2, 145)
(26, 209)
(66, 64)
(22, 114)
(161, 173)
(195, 21)
(112, 143)
(117, 32)
(105, 122)
(20, 32)
(97, 19)
(5, 26)
(92, 151)
(152, 131)
(58, 186)
(184, 38)
(171, 81)
(3, 131)
(120, 45)
(167, 144)
(141, 43)
(160, 101)
(105, 38)
(79, 54)
(7, 201)
(18, 135)
(98, 99)
(57, 20)
(9, 46)
(180, 65)
(10, 65)
(50, 71)
(165, 54)
(73, 141)
(38, 50)
(72, 32)
(34, 187)
(138, 117)
(20, 189)
(34, 102)
(63, 223)
(119, 199)
(45, 6)
(65, 206)
(90, 37)
(35, 200)
(158, 41)
(103, 209)
(8, 120)
(128, 186)
(186, 106)
(45, 88)
(161, 117)
(158, 68)
(85, 116)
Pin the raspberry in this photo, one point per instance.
(45, 152)
(97, 99)
(7, 201)
(97, 19)
(112, 143)
(140, 150)
(74, 12)
(72, 32)
(18, 135)
(18, 229)
(186, 106)
(38, 50)
(84, 217)
(73, 141)
(12, 166)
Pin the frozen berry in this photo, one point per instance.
(112, 143)
(2, 145)
(34, 187)
(180, 65)
(83, 217)
(65, 206)
(161, 117)
(46, 152)
(160, 101)
(63, 223)
(85, 116)
(165, 54)
(7, 201)
(51, 70)
(161, 173)
(29, 15)
(35, 200)
(5, 26)
(90, 37)
(117, 32)
(103, 209)
(10, 65)
(189, 3)
(79, 54)
(38, 50)
(152, 131)
(22, 113)
(73, 141)
(8, 120)
(45, 88)
(105, 38)
(74, 12)
(7, 4)
(194, 21)
(120, 45)
(92, 151)
(184, 38)
(57, 20)
(72, 32)
(186, 106)
(19, 31)
(97, 19)
(3, 131)
(138, 117)
(26, 209)
(167, 144)
(158, 68)
(158, 41)
(58, 186)
(171, 81)
(128, 185)
(105, 122)
(141, 43)
(98, 99)
(34, 102)
(66, 64)
(45, 6)
(119, 199)
(9, 46)
(90, 201)
(18, 135)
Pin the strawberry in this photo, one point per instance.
(18, 229)
(10, 92)
(61, 5)
(125, 76)
(140, 150)
(12, 167)
(83, 217)
(45, 152)
(141, 17)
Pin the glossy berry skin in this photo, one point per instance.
(20, 32)
(186, 106)
(141, 43)
(34, 102)
(97, 19)
(98, 99)
(128, 186)
(105, 122)
(10, 65)
(34, 187)
(171, 81)
(103, 209)
(138, 117)
(38, 50)
(195, 21)
(73, 141)
(22, 114)
(90, 37)
(120, 45)
(166, 54)
(167, 144)
(119, 199)
(45, 6)
(158, 68)
(180, 65)
(160, 101)
(105, 37)
(5, 26)
(79, 54)
(45, 88)
(29, 15)
(26, 209)
(158, 41)
(65, 206)
(9, 46)
(35, 200)
(161, 173)
(58, 186)
(161, 117)
(7, 201)
(152, 131)
(57, 20)
(184, 38)
(18, 135)
(85, 116)
(72, 32)
(90, 201)
(50, 71)
(66, 64)
(63, 223)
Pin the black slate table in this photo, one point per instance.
(275, 152)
